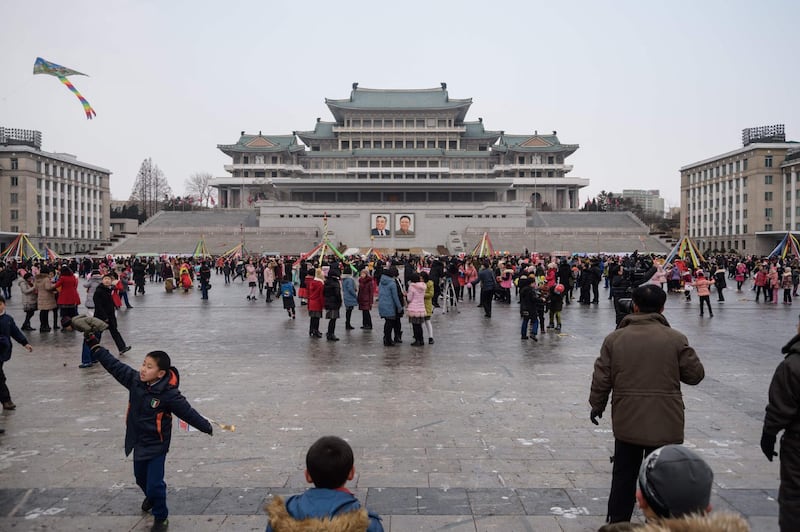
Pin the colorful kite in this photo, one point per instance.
(46, 67)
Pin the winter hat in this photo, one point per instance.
(675, 481)
(66, 321)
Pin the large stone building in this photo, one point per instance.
(649, 200)
(406, 158)
(746, 199)
(57, 200)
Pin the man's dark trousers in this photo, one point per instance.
(627, 460)
(486, 301)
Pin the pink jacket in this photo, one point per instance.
(416, 300)
(702, 285)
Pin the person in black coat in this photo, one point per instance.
(332, 293)
(104, 310)
(139, 272)
(564, 276)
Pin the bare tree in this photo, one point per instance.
(150, 188)
(198, 184)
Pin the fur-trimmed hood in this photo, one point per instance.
(713, 522)
(280, 520)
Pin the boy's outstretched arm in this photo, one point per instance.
(181, 408)
(124, 374)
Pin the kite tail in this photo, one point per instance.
(87, 108)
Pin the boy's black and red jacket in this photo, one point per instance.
(150, 408)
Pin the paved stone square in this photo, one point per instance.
(481, 431)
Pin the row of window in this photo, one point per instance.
(397, 144)
(695, 219)
(398, 123)
(695, 231)
(61, 171)
(720, 244)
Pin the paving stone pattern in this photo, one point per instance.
(481, 431)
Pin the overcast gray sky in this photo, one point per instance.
(643, 86)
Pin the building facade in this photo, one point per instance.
(649, 200)
(396, 152)
(743, 200)
(57, 200)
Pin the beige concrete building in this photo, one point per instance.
(57, 200)
(746, 199)
(650, 200)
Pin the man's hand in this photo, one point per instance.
(29, 347)
(768, 445)
(92, 341)
(594, 415)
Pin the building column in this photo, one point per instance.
(792, 181)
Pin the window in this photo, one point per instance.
(15, 164)
(768, 212)
(14, 197)
(737, 166)
(14, 214)
(744, 165)
(14, 181)
(744, 198)
(767, 227)
(767, 196)
(767, 179)
(345, 144)
(768, 161)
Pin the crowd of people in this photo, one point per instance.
(647, 410)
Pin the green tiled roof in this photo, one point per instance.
(550, 144)
(475, 130)
(398, 99)
(261, 143)
(322, 130)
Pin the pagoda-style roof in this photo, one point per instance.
(475, 130)
(398, 100)
(261, 144)
(322, 131)
(534, 143)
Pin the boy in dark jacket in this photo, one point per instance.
(154, 397)
(329, 465)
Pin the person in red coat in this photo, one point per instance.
(68, 297)
(316, 301)
(366, 297)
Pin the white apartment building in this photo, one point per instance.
(57, 200)
(743, 200)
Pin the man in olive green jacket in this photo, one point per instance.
(644, 362)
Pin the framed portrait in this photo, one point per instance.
(404, 224)
(380, 224)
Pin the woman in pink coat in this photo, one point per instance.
(470, 277)
(703, 287)
(773, 283)
(416, 307)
